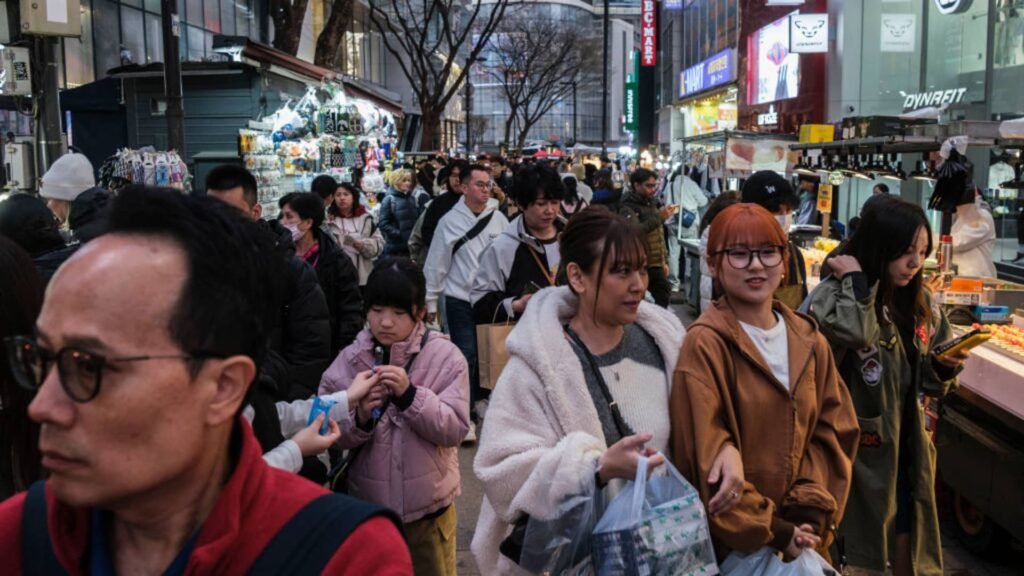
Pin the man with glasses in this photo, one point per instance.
(773, 192)
(146, 345)
(452, 265)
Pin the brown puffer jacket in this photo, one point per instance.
(644, 212)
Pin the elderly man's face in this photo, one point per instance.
(149, 422)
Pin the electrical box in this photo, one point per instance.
(18, 166)
(15, 72)
(51, 17)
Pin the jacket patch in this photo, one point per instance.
(870, 439)
(871, 371)
(890, 344)
(922, 335)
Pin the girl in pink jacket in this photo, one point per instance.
(408, 428)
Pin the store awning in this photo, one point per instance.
(381, 97)
(242, 49)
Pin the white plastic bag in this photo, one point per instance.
(766, 562)
(654, 527)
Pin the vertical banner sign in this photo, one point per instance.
(825, 198)
(629, 108)
(648, 33)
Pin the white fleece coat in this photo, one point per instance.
(542, 437)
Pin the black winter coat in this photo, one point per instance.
(435, 211)
(339, 280)
(398, 215)
(300, 344)
(87, 214)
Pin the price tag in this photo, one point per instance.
(825, 198)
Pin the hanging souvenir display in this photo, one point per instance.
(146, 166)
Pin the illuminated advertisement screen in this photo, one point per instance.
(774, 71)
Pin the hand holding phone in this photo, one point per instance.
(965, 342)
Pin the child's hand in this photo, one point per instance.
(311, 442)
(373, 399)
(395, 378)
(363, 383)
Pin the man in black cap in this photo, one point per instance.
(773, 192)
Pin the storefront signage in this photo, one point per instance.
(672, 4)
(952, 6)
(648, 33)
(769, 118)
(825, 198)
(808, 33)
(629, 107)
(773, 70)
(715, 71)
(936, 98)
(899, 32)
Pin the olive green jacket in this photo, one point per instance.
(644, 212)
(871, 359)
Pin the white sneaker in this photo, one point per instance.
(471, 436)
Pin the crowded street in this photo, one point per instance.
(512, 287)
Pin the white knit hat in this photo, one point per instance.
(68, 177)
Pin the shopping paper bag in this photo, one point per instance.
(490, 352)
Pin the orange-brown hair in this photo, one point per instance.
(747, 225)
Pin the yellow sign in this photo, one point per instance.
(825, 198)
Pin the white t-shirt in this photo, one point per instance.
(773, 344)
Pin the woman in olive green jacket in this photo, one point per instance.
(882, 327)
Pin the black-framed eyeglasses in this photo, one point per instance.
(741, 258)
(80, 371)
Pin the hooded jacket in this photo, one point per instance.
(886, 380)
(363, 227)
(542, 436)
(253, 506)
(644, 212)
(88, 210)
(507, 267)
(339, 281)
(454, 276)
(410, 459)
(300, 344)
(398, 213)
(797, 444)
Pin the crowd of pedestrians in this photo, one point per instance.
(196, 380)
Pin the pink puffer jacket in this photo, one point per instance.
(410, 461)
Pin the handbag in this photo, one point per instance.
(337, 477)
(687, 218)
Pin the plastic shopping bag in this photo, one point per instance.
(766, 562)
(562, 545)
(654, 527)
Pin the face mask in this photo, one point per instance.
(294, 229)
(785, 220)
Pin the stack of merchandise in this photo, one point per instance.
(145, 166)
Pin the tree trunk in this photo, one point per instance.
(431, 128)
(333, 33)
(523, 133)
(288, 18)
(508, 130)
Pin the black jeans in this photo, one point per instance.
(659, 286)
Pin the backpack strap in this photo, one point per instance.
(37, 556)
(473, 233)
(311, 538)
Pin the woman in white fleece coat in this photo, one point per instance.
(547, 435)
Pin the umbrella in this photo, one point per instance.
(540, 154)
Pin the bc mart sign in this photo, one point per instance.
(648, 33)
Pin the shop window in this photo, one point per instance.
(196, 44)
(106, 35)
(131, 39)
(227, 17)
(242, 19)
(211, 15)
(152, 6)
(1009, 31)
(957, 49)
(193, 12)
(154, 39)
(78, 54)
(890, 56)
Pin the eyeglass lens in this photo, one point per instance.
(742, 259)
(79, 371)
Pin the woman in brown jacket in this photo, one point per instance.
(754, 374)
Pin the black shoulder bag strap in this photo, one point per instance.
(473, 233)
(311, 538)
(37, 556)
(337, 476)
(620, 423)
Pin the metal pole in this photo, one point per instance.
(574, 135)
(469, 109)
(169, 26)
(604, 93)
(49, 144)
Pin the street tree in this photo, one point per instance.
(538, 63)
(287, 16)
(435, 43)
(331, 36)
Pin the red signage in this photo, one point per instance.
(648, 33)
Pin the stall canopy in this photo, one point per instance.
(99, 123)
